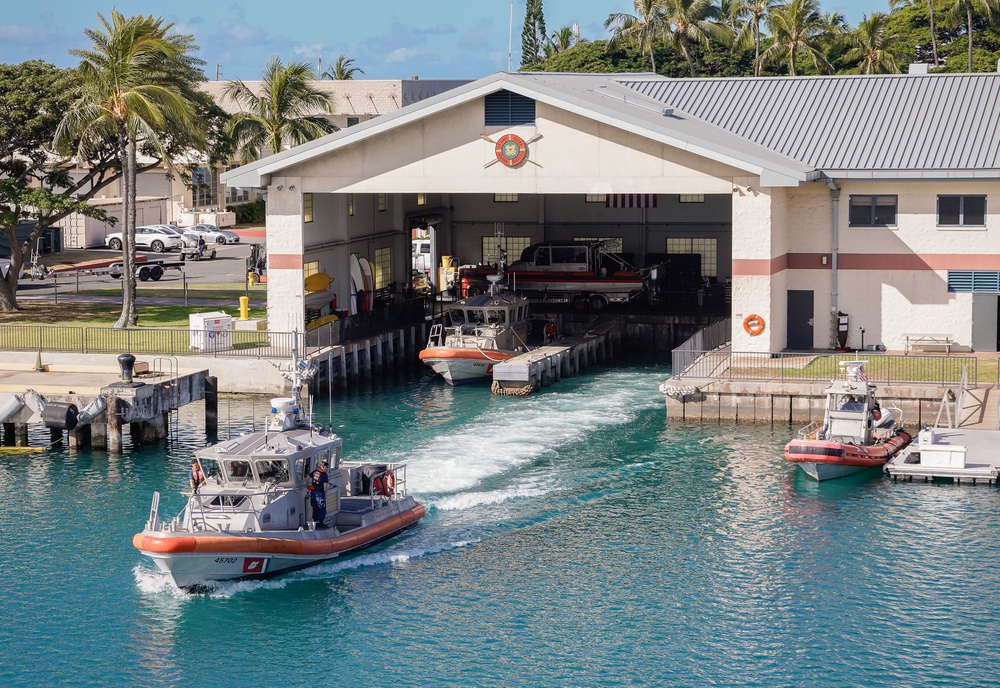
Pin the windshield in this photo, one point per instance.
(272, 470)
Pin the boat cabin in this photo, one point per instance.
(488, 321)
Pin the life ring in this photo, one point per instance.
(753, 324)
(384, 484)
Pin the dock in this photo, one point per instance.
(960, 454)
(565, 357)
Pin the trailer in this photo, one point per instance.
(149, 270)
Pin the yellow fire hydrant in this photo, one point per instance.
(244, 308)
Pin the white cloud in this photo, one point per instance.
(401, 55)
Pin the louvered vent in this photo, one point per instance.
(975, 281)
(505, 109)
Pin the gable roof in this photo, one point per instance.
(600, 97)
(885, 126)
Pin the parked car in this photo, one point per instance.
(155, 239)
(213, 234)
(190, 240)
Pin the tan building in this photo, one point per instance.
(812, 196)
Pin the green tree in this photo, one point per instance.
(751, 13)
(287, 112)
(533, 36)
(563, 39)
(595, 57)
(795, 29)
(895, 4)
(874, 47)
(690, 24)
(133, 83)
(642, 29)
(342, 70)
(967, 10)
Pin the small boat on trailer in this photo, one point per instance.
(252, 518)
(856, 432)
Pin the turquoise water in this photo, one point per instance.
(573, 537)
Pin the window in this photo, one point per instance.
(383, 203)
(513, 245)
(706, 247)
(382, 267)
(204, 187)
(350, 204)
(611, 245)
(962, 211)
(505, 109)
(505, 198)
(873, 211)
(421, 199)
(310, 268)
(307, 207)
(691, 198)
(595, 198)
(351, 121)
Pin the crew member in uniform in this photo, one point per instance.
(317, 494)
(196, 477)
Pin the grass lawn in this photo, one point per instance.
(106, 314)
(222, 293)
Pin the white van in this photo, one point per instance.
(422, 255)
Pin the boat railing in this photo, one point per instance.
(811, 431)
(398, 489)
(201, 512)
(154, 513)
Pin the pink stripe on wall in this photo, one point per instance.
(285, 261)
(865, 261)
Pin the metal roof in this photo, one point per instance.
(937, 125)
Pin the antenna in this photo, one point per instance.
(510, 33)
(217, 68)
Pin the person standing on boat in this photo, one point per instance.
(317, 494)
(196, 477)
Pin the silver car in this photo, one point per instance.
(156, 239)
(213, 235)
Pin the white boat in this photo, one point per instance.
(479, 332)
(252, 518)
(856, 433)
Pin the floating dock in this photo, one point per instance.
(962, 455)
(550, 363)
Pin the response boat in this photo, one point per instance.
(856, 432)
(252, 517)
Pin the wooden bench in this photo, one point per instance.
(927, 341)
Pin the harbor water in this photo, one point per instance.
(574, 537)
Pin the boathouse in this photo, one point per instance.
(840, 210)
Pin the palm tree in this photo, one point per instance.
(874, 46)
(796, 28)
(342, 70)
(691, 23)
(752, 12)
(641, 29)
(287, 112)
(968, 8)
(132, 85)
(930, 13)
(563, 39)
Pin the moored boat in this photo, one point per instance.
(253, 516)
(856, 432)
(479, 332)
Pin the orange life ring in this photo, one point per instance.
(753, 324)
(384, 485)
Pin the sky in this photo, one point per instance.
(388, 39)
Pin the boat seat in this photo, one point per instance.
(352, 511)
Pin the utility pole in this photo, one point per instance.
(218, 67)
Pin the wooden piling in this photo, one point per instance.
(211, 406)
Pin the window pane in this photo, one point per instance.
(885, 210)
(949, 209)
(861, 211)
(974, 210)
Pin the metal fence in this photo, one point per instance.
(707, 339)
(183, 341)
(881, 368)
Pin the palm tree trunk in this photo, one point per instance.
(686, 48)
(652, 59)
(756, 47)
(128, 232)
(968, 14)
(930, 11)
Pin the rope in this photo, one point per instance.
(677, 392)
(498, 388)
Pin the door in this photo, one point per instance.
(800, 319)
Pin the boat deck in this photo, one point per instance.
(982, 459)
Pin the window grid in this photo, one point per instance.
(614, 247)
(513, 245)
(310, 268)
(383, 203)
(383, 267)
(705, 246)
(691, 198)
(204, 187)
(595, 198)
(307, 207)
(961, 211)
(872, 211)
(504, 198)
(421, 199)
(350, 204)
